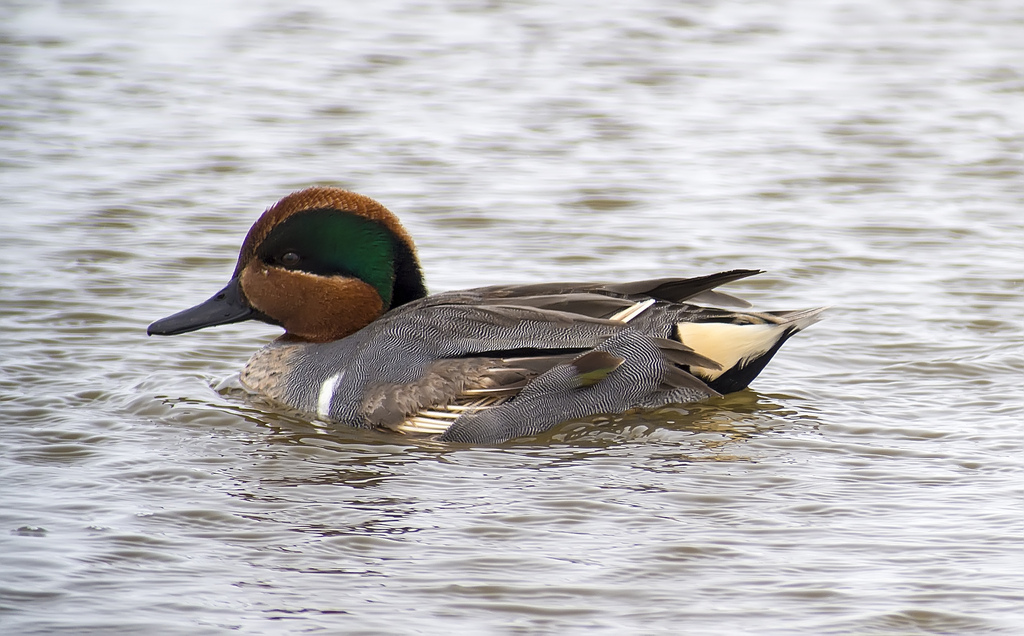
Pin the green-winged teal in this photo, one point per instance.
(364, 344)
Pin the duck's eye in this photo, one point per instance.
(289, 259)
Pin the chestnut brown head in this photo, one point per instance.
(322, 263)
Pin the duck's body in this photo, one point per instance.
(365, 346)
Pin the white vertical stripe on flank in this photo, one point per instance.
(323, 403)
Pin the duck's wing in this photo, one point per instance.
(495, 351)
(741, 342)
(460, 389)
(628, 371)
(619, 302)
(673, 290)
(677, 290)
(579, 303)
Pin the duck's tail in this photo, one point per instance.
(742, 343)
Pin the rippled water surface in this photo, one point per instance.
(867, 155)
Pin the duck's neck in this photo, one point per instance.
(409, 285)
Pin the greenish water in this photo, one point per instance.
(869, 156)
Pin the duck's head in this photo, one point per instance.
(323, 263)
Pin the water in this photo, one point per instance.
(867, 155)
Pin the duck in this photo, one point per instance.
(365, 345)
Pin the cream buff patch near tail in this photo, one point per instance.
(730, 344)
